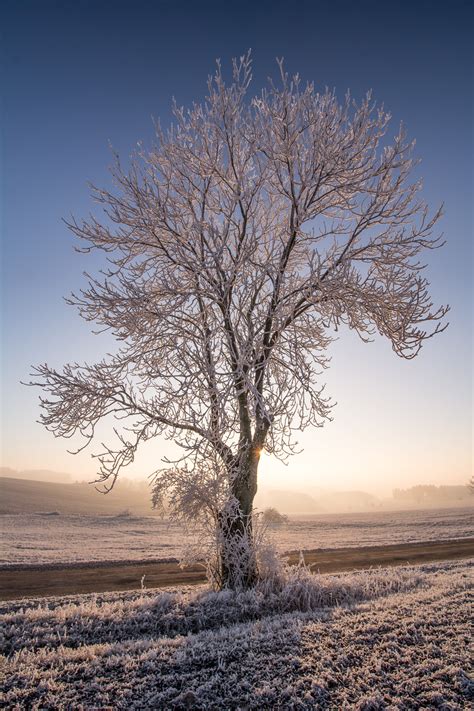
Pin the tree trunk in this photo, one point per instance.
(238, 564)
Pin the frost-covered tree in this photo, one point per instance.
(251, 232)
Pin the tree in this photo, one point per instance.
(249, 234)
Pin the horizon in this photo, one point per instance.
(63, 477)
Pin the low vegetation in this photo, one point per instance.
(373, 640)
(272, 517)
(110, 617)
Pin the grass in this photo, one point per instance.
(388, 638)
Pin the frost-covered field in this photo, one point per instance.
(385, 639)
(40, 539)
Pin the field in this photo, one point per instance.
(380, 639)
(38, 539)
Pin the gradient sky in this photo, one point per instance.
(79, 75)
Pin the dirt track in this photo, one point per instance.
(44, 581)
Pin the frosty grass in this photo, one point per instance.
(378, 639)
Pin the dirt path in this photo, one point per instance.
(106, 577)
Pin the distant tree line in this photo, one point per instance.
(431, 494)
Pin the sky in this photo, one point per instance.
(80, 76)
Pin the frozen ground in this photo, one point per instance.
(385, 639)
(40, 539)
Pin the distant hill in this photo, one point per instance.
(288, 502)
(36, 475)
(24, 496)
(428, 496)
(346, 501)
(321, 501)
(43, 490)
(324, 501)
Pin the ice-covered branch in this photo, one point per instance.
(237, 245)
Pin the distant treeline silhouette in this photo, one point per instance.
(432, 494)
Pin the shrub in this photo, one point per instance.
(272, 517)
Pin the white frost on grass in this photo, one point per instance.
(30, 539)
(374, 640)
(86, 620)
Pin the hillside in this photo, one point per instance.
(24, 496)
(289, 502)
(36, 475)
(19, 494)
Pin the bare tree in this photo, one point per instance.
(249, 234)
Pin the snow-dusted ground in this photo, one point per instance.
(385, 639)
(39, 539)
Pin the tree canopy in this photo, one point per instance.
(238, 245)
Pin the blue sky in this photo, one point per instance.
(80, 75)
